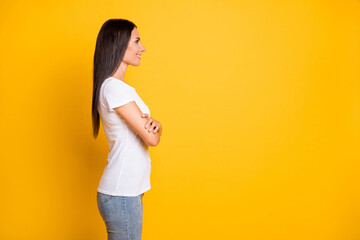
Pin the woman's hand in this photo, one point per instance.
(155, 125)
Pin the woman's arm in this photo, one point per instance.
(132, 115)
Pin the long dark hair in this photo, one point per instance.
(111, 45)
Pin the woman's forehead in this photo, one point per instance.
(135, 33)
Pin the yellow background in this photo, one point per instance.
(259, 102)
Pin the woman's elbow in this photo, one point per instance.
(153, 141)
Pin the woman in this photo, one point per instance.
(128, 127)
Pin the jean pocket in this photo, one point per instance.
(103, 198)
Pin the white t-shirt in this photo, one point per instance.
(127, 172)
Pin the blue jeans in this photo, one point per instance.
(122, 216)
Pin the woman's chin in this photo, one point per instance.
(136, 63)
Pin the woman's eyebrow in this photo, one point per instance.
(137, 38)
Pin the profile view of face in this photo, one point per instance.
(134, 49)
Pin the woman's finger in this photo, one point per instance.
(145, 115)
(157, 128)
(148, 124)
(153, 126)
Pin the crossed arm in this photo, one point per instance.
(147, 128)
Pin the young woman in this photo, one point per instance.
(128, 127)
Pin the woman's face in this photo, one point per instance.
(134, 49)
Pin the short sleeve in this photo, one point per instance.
(117, 94)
